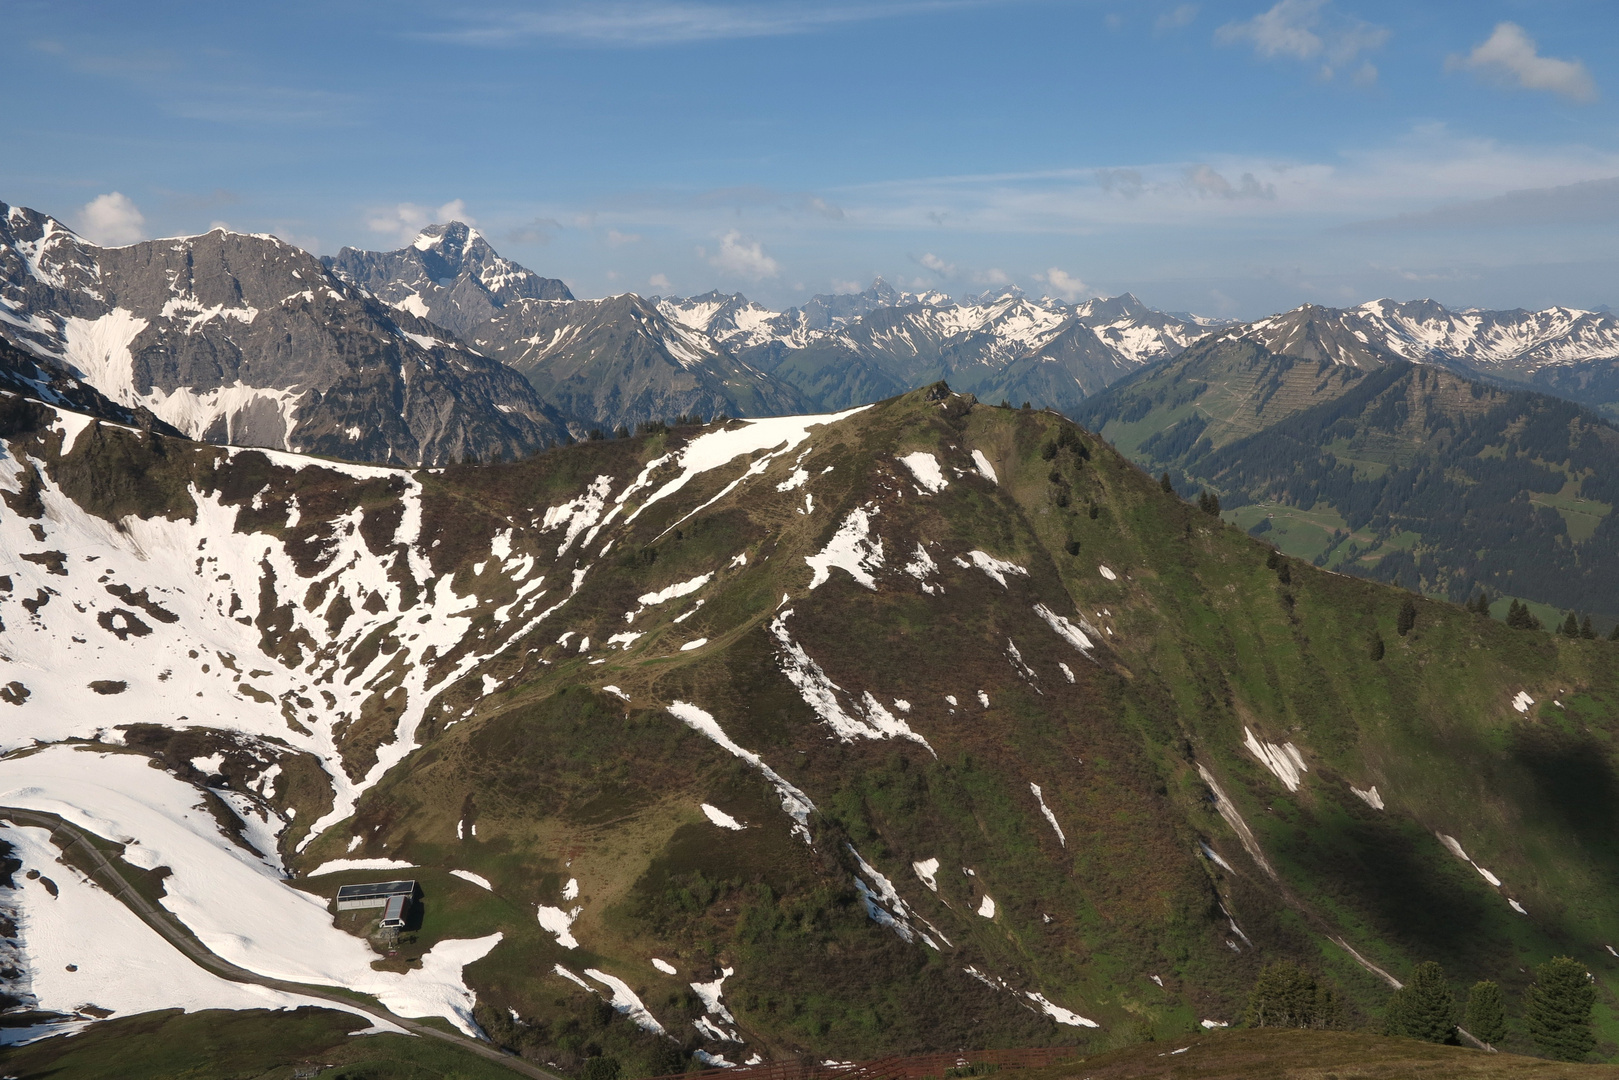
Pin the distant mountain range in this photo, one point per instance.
(444, 350)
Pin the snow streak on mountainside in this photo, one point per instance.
(247, 340)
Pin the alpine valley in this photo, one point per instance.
(897, 722)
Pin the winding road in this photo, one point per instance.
(109, 877)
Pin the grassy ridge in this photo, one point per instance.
(1198, 642)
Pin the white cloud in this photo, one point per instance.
(659, 281)
(936, 264)
(403, 221)
(1510, 56)
(619, 239)
(1065, 285)
(742, 257)
(841, 286)
(1177, 18)
(993, 276)
(1308, 30)
(112, 220)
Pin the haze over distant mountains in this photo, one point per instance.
(444, 350)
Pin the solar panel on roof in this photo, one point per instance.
(376, 890)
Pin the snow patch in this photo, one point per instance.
(926, 871)
(852, 548)
(1068, 632)
(1370, 796)
(989, 564)
(986, 907)
(985, 469)
(1060, 1014)
(1284, 760)
(925, 467)
(625, 1002)
(556, 921)
(477, 879)
(336, 865)
(722, 819)
(1522, 702)
(1046, 810)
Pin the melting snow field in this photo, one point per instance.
(82, 948)
(230, 898)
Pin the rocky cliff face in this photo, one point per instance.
(249, 341)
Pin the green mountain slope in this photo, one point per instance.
(1014, 737)
(1405, 473)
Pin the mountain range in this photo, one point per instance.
(922, 725)
(444, 350)
(1348, 454)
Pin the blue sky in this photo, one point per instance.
(1231, 158)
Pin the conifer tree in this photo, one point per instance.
(1519, 617)
(1571, 626)
(1559, 1009)
(1407, 618)
(1486, 1016)
(1374, 646)
(1587, 631)
(1165, 486)
(1613, 635)
(1285, 995)
(1425, 1009)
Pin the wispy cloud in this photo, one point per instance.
(1511, 57)
(674, 22)
(1311, 31)
(936, 264)
(1175, 18)
(1590, 202)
